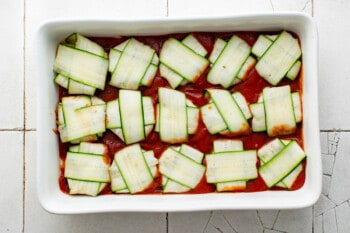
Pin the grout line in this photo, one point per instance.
(259, 218)
(30, 130)
(24, 181)
(167, 8)
(17, 130)
(24, 116)
(228, 222)
(271, 4)
(14, 129)
(274, 222)
(336, 219)
(167, 222)
(206, 225)
(335, 130)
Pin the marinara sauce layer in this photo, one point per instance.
(251, 88)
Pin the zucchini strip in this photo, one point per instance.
(279, 58)
(172, 116)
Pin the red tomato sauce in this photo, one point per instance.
(202, 140)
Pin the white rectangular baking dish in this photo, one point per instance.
(53, 200)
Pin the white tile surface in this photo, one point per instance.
(296, 5)
(323, 204)
(11, 173)
(215, 221)
(219, 223)
(189, 222)
(330, 214)
(38, 220)
(318, 224)
(333, 66)
(268, 217)
(328, 163)
(340, 185)
(329, 222)
(326, 183)
(11, 64)
(342, 213)
(244, 221)
(294, 221)
(223, 7)
(217, 7)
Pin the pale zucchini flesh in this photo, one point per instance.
(119, 133)
(86, 167)
(114, 56)
(225, 145)
(174, 187)
(62, 80)
(269, 150)
(60, 115)
(294, 71)
(272, 37)
(192, 42)
(289, 180)
(120, 47)
(118, 184)
(131, 115)
(75, 87)
(219, 45)
(192, 119)
(172, 116)
(258, 121)
(230, 111)
(297, 107)
(212, 119)
(81, 66)
(279, 58)
(192, 153)
(74, 148)
(90, 138)
(261, 45)
(231, 186)
(231, 166)
(93, 148)
(171, 186)
(149, 75)
(81, 119)
(183, 60)
(132, 65)
(90, 188)
(88, 121)
(229, 62)
(96, 100)
(279, 112)
(282, 164)
(243, 104)
(152, 162)
(117, 181)
(133, 167)
(243, 72)
(148, 110)
(171, 76)
(113, 115)
(83, 43)
(180, 168)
